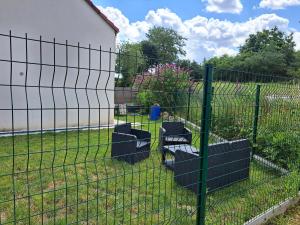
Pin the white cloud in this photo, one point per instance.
(278, 4)
(223, 50)
(224, 6)
(129, 31)
(207, 37)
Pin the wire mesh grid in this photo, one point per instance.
(262, 109)
(70, 155)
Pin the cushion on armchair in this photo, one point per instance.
(176, 139)
(141, 144)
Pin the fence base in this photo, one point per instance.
(274, 211)
(267, 163)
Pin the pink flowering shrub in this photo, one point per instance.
(167, 86)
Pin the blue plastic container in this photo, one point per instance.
(154, 112)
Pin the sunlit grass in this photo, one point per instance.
(69, 177)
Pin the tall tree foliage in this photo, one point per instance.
(129, 62)
(168, 42)
(150, 52)
(194, 68)
(268, 51)
(266, 61)
(274, 40)
(162, 46)
(294, 69)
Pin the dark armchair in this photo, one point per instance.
(173, 133)
(130, 145)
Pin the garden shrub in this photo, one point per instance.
(281, 147)
(230, 125)
(168, 87)
(146, 99)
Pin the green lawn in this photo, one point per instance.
(69, 177)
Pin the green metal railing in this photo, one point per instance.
(204, 136)
(256, 114)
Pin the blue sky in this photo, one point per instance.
(213, 27)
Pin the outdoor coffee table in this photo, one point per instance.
(171, 149)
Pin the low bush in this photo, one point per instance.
(281, 147)
(168, 87)
(146, 99)
(230, 124)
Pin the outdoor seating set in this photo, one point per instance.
(228, 162)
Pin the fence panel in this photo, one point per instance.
(68, 156)
(259, 109)
(60, 149)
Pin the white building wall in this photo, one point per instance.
(72, 20)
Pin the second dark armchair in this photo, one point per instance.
(174, 133)
(130, 145)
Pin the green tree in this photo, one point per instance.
(129, 62)
(294, 69)
(268, 52)
(168, 42)
(224, 61)
(150, 52)
(194, 68)
(266, 61)
(280, 42)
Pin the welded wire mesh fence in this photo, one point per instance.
(262, 109)
(69, 154)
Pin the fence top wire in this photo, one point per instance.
(235, 75)
(141, 77)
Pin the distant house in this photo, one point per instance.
(77, 21)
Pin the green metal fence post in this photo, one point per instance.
(256, 114)
(204, 135)
(189, 104)
(211, 100)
